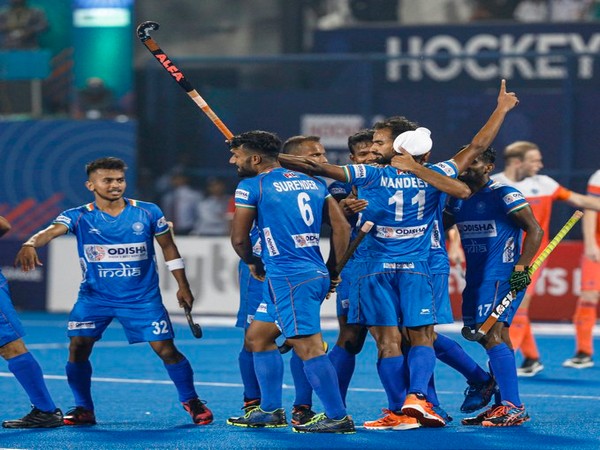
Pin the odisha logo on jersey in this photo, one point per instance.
(95, 252)
(290, 175)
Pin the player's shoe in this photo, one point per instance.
(478, 395)
(80, 416)
(320, 423)
(390, 420)
(530, 367)
(200, 413)
(417, 406)
(302, 414)
(507, 415)
(579, 361)
(37, 419)
(257, 418)
(479, 418)
(249, 404)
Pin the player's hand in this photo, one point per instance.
(592, 252)
(27, 258)
(352, 206)
(334, 282)
(506, 100)
(519, 279)
(404, 161)
(257, 270)
(185, 297)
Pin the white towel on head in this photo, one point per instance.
(416, 142)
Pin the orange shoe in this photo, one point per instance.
(418, 407)
(392, 421)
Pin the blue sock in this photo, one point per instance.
(302, 386)
(431, 393)
(269, 372)
(392, 375)
(421, 362)
(450, 352)
(246, 364)
(28, 373)
(502, 361)
(323, 379)
(343, 363)
(79, 376)
(182, 375)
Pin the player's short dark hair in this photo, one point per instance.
(397, 125)
(359, 137)
(291, 144)
(489, 155)
(107, 163)
(262, 142)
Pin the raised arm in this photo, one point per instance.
(486, 135)
(27, 257)
(4, 226)
(306, 165)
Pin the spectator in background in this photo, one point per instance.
(494, 10)
(532, 11)
(435, 11)
(180, 203)
(212, 217)
(569, 10)
(95, 100)
(21, 25)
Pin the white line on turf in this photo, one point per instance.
(285, 386)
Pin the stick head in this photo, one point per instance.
(469, 335)
(144, 29)
(194, 327)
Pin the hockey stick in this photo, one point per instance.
(477, 335)
(195, 327)
(364, 230)
(143, 31)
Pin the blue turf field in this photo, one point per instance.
(136, 404)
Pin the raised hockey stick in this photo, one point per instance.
(364, 230)
(477, 335)
(143, 31)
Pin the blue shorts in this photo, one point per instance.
(295, 302)
(480, 300)
(141, 325)
(10, 325)
(392, 294)
(441, 295)
(343, 290)
(250, 296)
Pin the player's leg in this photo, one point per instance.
(26, 370)
(585, 315)
(481, 385)
(268, 365)
(87, 322)
(250, 297)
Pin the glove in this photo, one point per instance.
(520, 278)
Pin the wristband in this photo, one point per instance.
(520, 268)
(27, 245)
(175, 264)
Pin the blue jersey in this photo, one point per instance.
(490, 239)
(289, 207)
(117, 253)
(403, 208)
(438, 255)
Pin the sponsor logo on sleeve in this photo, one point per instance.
(63, 219)
(447, 168)
(360, 171)
(512, 197)
(162, 222)
(242, 194)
